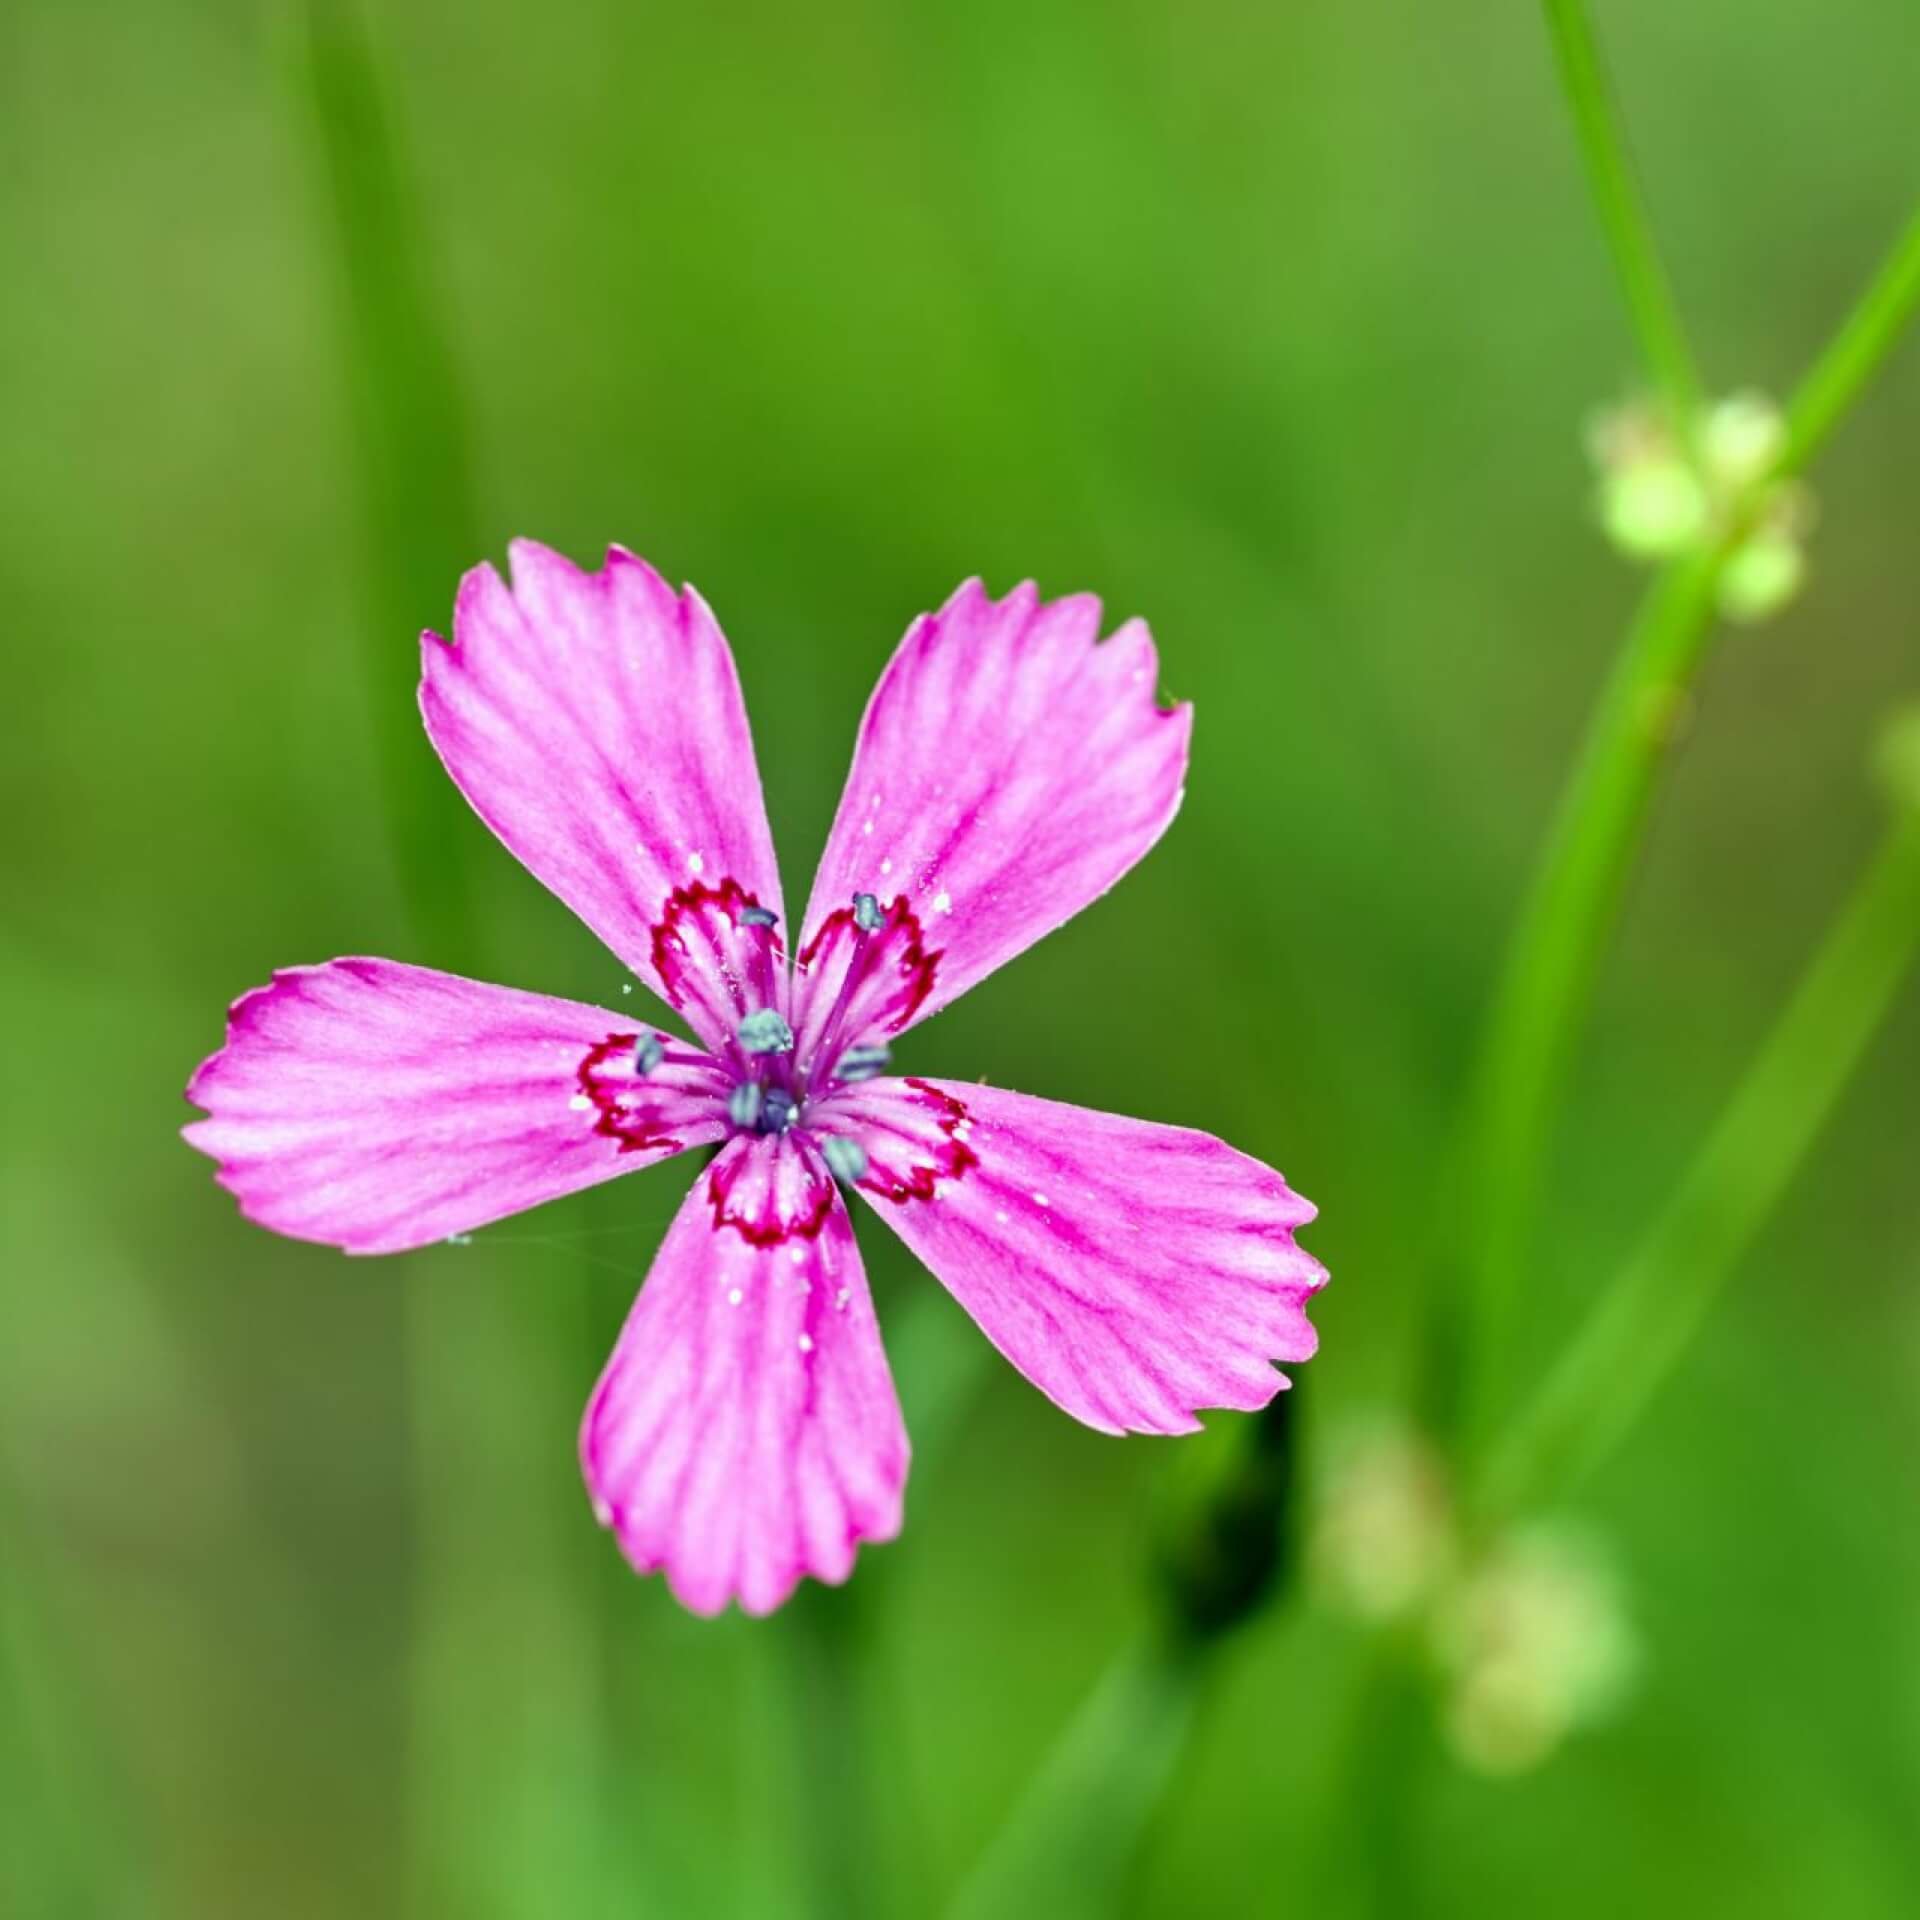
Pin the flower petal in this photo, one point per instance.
(1132, 1272)
(746, 1431)
(376, 1106)
(595, 722)
(1010, 768)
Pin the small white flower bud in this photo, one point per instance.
(1659, 498)
(1761, 575)
(1537, 1645)
(1740, 440)
(1653, 505)
(1384, 1539)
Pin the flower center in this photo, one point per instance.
(771, 1096)
(762, 1106)
(768, 1098)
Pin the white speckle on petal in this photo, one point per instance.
(886, 866)
(580, 1103)
(806, 1343)
(696, 863)
(798, 1256)
(841, 1298)
(866, 826)
(734, 1296)
(1001, 1217)
(943, 901)
(1040, 1200)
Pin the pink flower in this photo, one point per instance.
(1010, 768)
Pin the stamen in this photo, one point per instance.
(866, 913)
(846, 1159)
(765, 1032)
(759, 917)
(647, 1054)
(863, 1063)
(743, 1104)
(776, 1110)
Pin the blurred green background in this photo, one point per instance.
(1277, 325)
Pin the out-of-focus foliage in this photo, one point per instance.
(1276, 325)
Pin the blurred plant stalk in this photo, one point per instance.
(503, 1774)
(1553, 957)
(1228, 1561)
(1637, 1331)
(1066, 1850)
(1225, 1549)
(1644, 287)
(1515, 1618)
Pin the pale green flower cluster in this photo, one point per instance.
(1524, 1636)
(1661, 497)
(1535, 1645)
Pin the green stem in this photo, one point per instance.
(1360, 1847)
(1066, 1850)
(1556, 946)
(1869, 333)
(413, 471)
(1227, 1555)
(1623, 216)
(827, 1712)
(1540, 1003)
(1637, 1332)
(503, 1762)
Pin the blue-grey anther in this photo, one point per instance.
(863, 1063)
(866, 913)
(759, 917)
(647, 1054)
(743, 1104)
(846, 1159)
(776, 1110)
(764, 1032)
